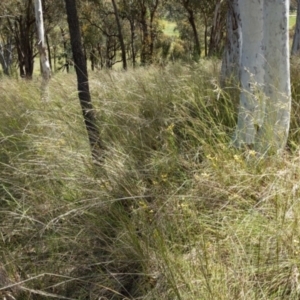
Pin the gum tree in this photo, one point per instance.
(120, 34)
(42, 47)
(232, 53)
(274, 132)
(83, 82)
(265, 99)
(20, 21)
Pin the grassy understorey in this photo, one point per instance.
(174, 212)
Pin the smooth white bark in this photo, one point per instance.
(296, 40)
(45, 66)
(250, 117)
(274, 132)
(265, 99)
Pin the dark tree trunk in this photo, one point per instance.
(6, 56)
(205, 38)
(23, 30)
(82, 81)
(152, 30)
(54, 57)
(232, 53)
(197, 48)
(93, 58)
(216, 36)
(121, 39)
(63, 34)
(132, 44)
(145, 36)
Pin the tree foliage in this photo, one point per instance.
(132, 32)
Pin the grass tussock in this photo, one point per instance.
(173, 213)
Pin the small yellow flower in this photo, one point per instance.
(252, 152)
(233, 197)
(164, 177)
(237, 158)
(143, 204)
(170, 128)
(61, 142)
(212, 158)
(208, 156)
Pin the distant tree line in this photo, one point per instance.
(129, 32)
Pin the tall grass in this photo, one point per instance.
(173, 213)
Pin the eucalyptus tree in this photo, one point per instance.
(54, 18)
(265, 100)
(147, 18)
(209, 17)
(232, 52)
(101, 31)
(251, 111)
(120, 34)
(191, 17)
(129, 12)
(191, 8)
(275, 129)
(45, 66)
(82, 81)
(18, 31)
(6, 50)
(218, 16)
(20, 22)
(44, 62)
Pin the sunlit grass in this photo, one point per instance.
(169, 28)
(173, 213)
(292, 21)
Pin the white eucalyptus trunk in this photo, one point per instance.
(274, 132)
(251, 111)
(296, 40)
(45, 66)
(232, 54)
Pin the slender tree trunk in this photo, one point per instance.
(216, 31)
(232, 53)
(49, 52)
(132, 44)
(145, 37)
(6, 56)
(205, 37)
(45, 66)
(274, 132)
(63, 34)
(197, 47)
(252, 103)
(54, 58)
(93, 58)
(28, 38)
(3, 61)
(82, 81)
(121, 39)
(296, 40)
(24, 36)
(153, 9)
